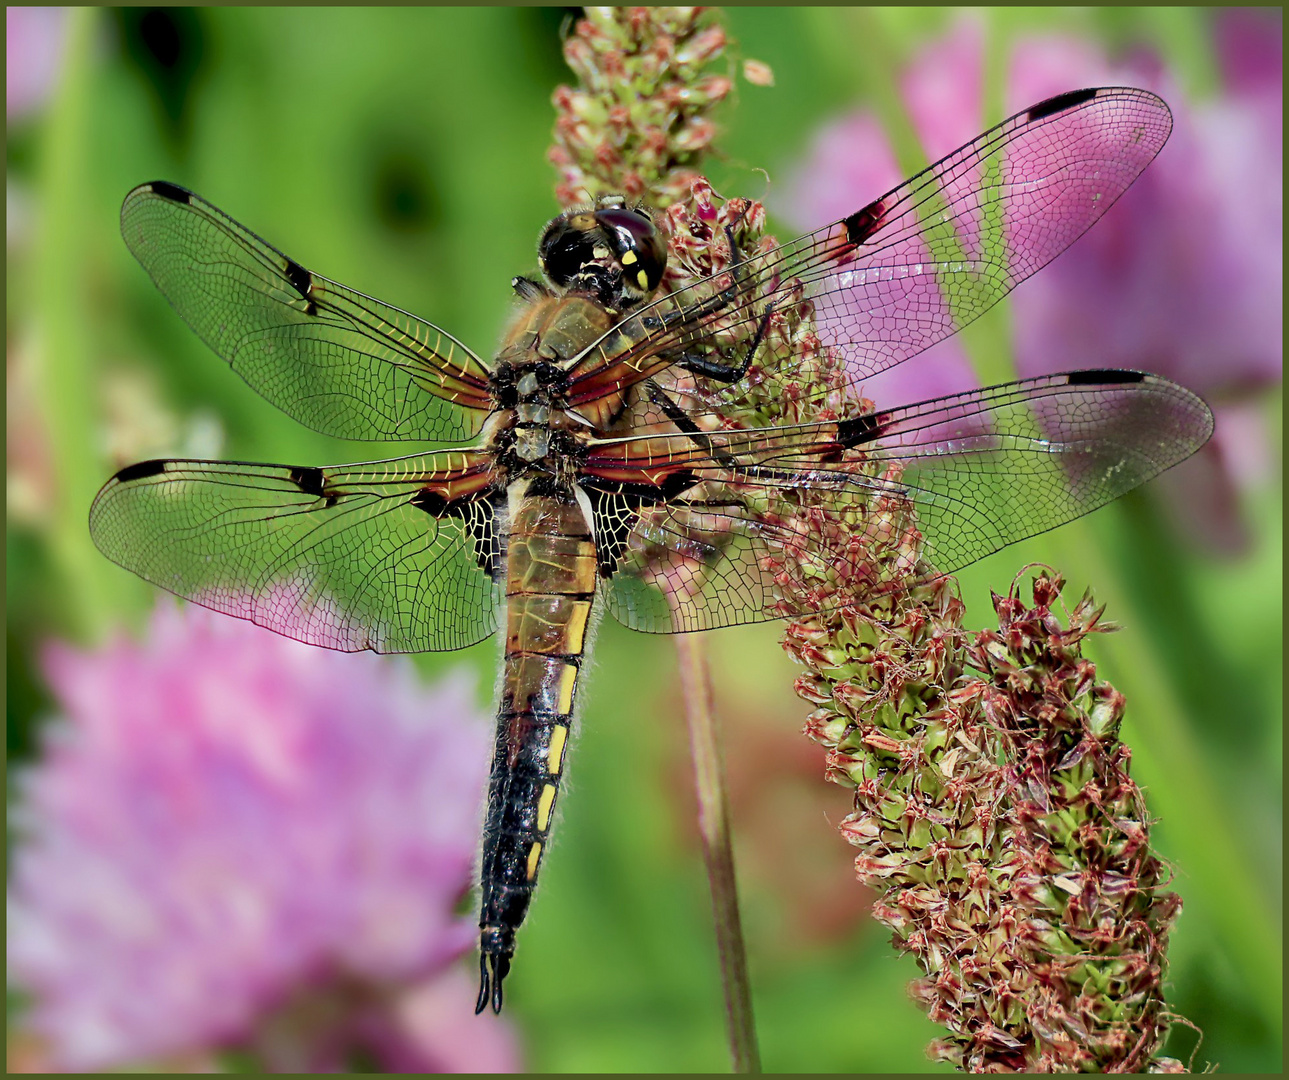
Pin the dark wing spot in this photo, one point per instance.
(863, 223)
(1103, 376)
(487, 537)
(614, 517)
(479, 514)
(1059, 103)
(676, 483)
(170, 191)
(480, 518)
(310, 480)
(859, 429)
(614, 505)
(302, 281)
(431, 502)
(140, 471)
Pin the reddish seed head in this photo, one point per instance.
(989, 786)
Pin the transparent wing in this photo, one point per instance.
(339, 362)
(393, 556)
(703, 530)
(913, 267)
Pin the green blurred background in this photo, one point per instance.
(403, 152)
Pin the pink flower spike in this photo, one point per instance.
(1185, 276)
(944, 88)
(231, 836)
(33, 57)
(851, 162)
(1250, 51)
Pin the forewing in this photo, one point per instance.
(393, 556)
(339, 362)
(913, 267)
(782, 521)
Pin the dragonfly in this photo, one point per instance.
(590, 465)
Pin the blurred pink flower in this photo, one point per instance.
(1250, 54)
(1183, 277)
(944, 88)
(851, 162)
(33, 54)
(237, 841)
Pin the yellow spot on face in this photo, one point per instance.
(643, 278)
(534, 854)
(567, 680)
(544, 805)
(555, 755)
(628, 258)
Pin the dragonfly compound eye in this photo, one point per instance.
(638, 248)
(612, 243)
(567, 246)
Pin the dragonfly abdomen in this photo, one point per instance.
(550, 588)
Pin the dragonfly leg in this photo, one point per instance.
(715, 303)
(528, 290)
(728, 373)
(684, 423)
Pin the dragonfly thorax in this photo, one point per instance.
(531, 430)
(532, 443)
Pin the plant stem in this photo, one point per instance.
(714, 825)
(66, 375)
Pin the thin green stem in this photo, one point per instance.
(714, 826)
(65, 371)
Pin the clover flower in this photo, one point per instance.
(33, 57)
(236, 842)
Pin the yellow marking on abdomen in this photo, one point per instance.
(576, 626)
(534, 854)
(568, 679)
(544, 807)
(555, 755)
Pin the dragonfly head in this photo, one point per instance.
(611, 250)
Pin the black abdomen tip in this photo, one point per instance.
(490, 977)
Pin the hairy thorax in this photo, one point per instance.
(532, 430)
